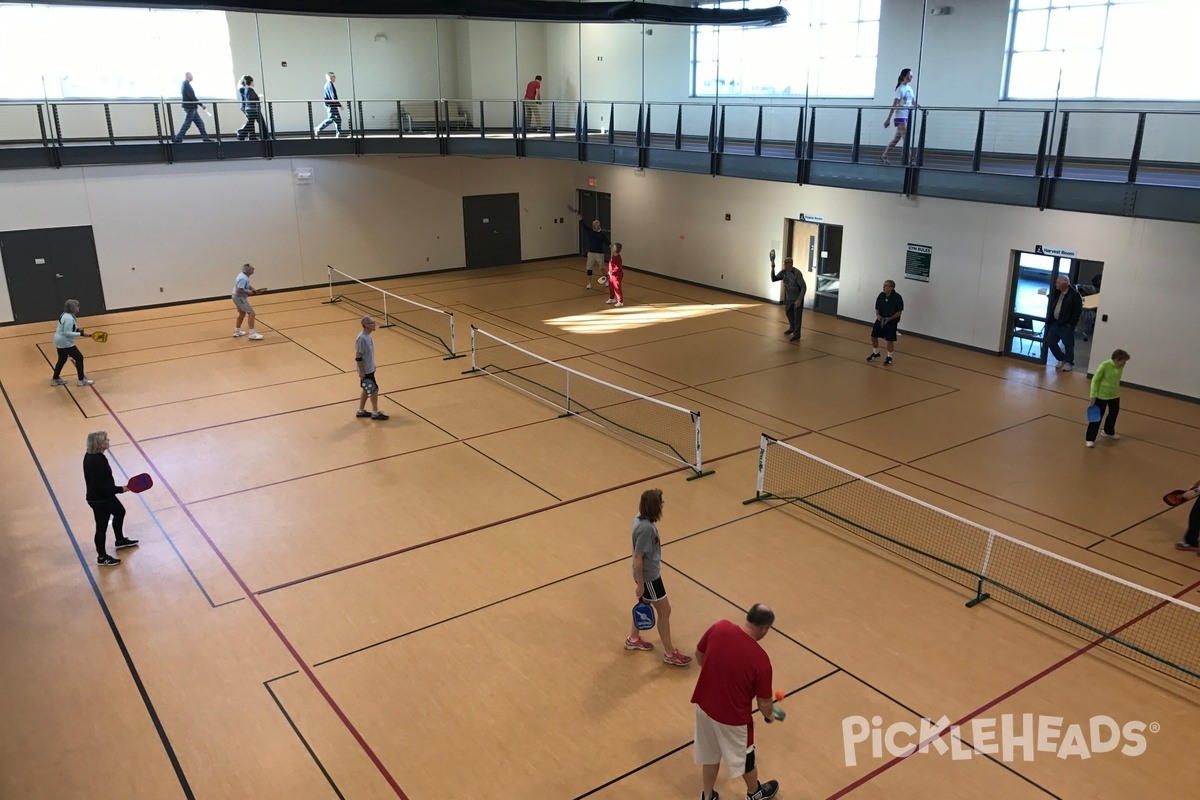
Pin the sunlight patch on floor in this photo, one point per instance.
(623, 319)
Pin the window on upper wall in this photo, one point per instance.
(65, 52)
(841, 38)
(1106, 49)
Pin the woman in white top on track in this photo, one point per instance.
(905, 99)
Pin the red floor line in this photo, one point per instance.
(333, 705)
(487, 525)
(1002, 697)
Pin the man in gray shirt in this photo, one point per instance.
(364, 359)
(794, 289)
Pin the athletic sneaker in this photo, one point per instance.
(58, 381)
(121, 544)
(1068, 367)
(362, 412)
(1190, 548)
(638, 644)
(609, 301)
(379, 415)
(589, 285)
(765, 790)
(255, 335)
(618, 305)
(107, 561)
(887, 362)
(1089, 444)
(676, 659)
(238, 332)
(1110, 435)
(795, 338)
(84, 382)
(716, 795)
(873, 356)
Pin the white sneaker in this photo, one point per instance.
(589, 285)
(1110, 435)
(84, 382)
(1067, 367)
(58, 381)
(609, 301)
(618, 305)
(255, 335)
(238, 332)
(1089, 444)
(1058, 367)
(316, 131)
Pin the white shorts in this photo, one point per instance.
(597, 259)
(716, 742)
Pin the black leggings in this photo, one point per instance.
(1110, 421)
(1192, 535)
(73, 353)
(102, 510)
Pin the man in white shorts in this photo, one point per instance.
(735, 672)
(241, 298)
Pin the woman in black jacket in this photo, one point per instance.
(102, 494)
(252, 108)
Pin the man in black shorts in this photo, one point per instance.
(888, 307)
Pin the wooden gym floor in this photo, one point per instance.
(433, 607)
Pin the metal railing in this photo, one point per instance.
(1118, 145)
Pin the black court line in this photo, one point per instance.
(303, 741)
(184, 786)
(283, 639)
(531, 590)
(1004, 696)
(685, 745)
(310, 352)
(840, 669)
(162, 529)
(70, 394)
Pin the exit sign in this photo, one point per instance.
(591, 181)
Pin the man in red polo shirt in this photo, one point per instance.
(533, 99)
(735, 672)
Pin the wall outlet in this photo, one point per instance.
(160, 289)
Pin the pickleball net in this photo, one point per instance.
(1153, 629)
(665, 429)
(435, 325)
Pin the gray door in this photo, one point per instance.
(592, 206)
(46, 267)
(492, 229)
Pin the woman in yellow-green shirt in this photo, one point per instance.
(1106, 393)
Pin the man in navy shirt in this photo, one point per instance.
(598, 246)
(190, 106)
(888, 307)
(333, 107)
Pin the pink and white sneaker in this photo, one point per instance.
(676, 659)
(638, 644)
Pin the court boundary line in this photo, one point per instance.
(162, 529)
(531, 590)
(163, 738)
(254, 601)
(484, 526)
(296, 730)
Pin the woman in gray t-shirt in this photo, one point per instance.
(647, 578)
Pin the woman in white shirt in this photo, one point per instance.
(905, 99)
(64, 340)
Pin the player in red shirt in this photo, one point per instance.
(735, 672)
(533, 99)
(616, 273)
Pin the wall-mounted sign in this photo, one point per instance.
(816, 218)
(1061, 252)
(916, 262)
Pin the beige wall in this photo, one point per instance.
(187, 227)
